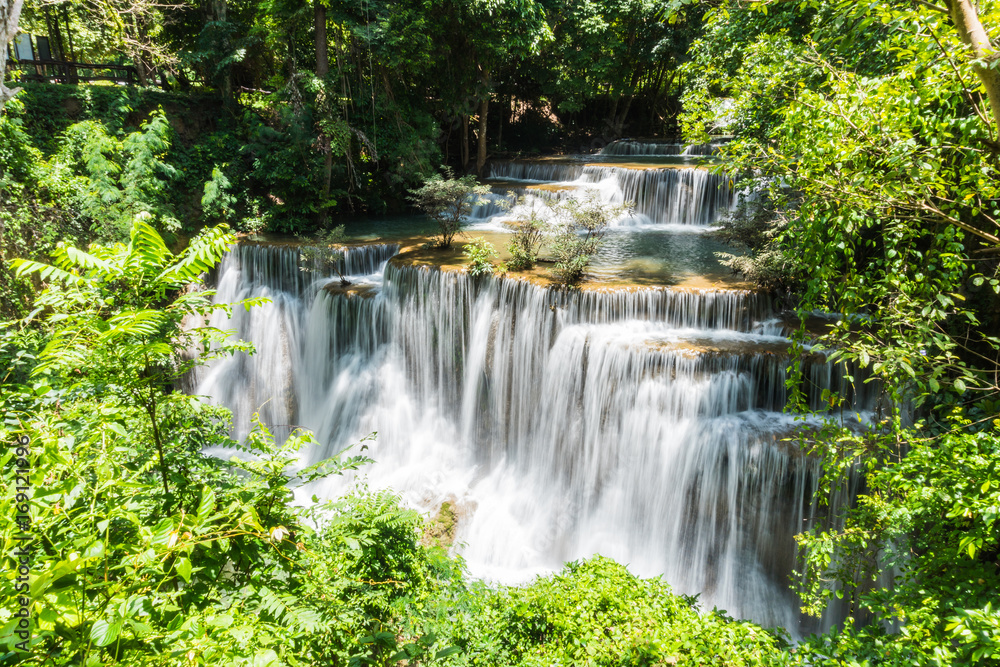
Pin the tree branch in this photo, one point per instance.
(929, 5)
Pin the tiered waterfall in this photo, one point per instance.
(642, 424)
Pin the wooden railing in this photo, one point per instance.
(61, 71)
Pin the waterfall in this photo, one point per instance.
(628, 147)
(540, 172)
(642, 424)
(660, 196)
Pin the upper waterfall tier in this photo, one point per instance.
(630, 147)
(661, 195)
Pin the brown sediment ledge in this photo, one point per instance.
(644, 166)
(713, 346)
(553, 187)
(363, 291)
(419, 251)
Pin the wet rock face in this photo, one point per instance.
(439, 531)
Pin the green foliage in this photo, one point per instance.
(448, 201)
(878, 203)
(284, 165)
(929, 518)
(480, 254)
(217, 202)
(114, 317)
(597, 613)
(753, 227)
(27, 225)
(576, 233)
(106, 182)
(527, 233)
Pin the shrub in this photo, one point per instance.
(326, 255)
(479, 251)
(448, 201)
(527, 232)
(597, 613)
(580, 225)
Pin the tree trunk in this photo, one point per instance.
(10, 14)
(619, 120)
(69, 33)
(322, 71)
(324, 212)
(503, 112)
(484, 107)
(971, 31)
(221, 11)
(322, 53)
(140, 69)
(465, 142)
(610, 122)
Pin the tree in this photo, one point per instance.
(497, 34)
(863, 127)
(527, 230)
(448, 201)
(577, 231)
(136, 27)
(607, 56)
(10, 15)
(965, 16)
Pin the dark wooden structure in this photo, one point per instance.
(41, 59)
(59, 71)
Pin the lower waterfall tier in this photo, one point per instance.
(644, 425)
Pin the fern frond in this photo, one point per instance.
(67, 257)
(146, 249)
(286, 609)
(136, 323)
(47, 272)
(205, 251)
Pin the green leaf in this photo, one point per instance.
(444, 653)
(163, 531)
(104, 632)
(183, 567)
(207, 503)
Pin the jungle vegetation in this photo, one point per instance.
(869, 131)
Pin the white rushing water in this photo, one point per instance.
(646, 425)
(660, 196)
(642, 425)
(629, 147)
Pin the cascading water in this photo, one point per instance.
(643, 148)
(642, 424)
(660, 196)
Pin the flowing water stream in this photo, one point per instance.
(645, 424)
